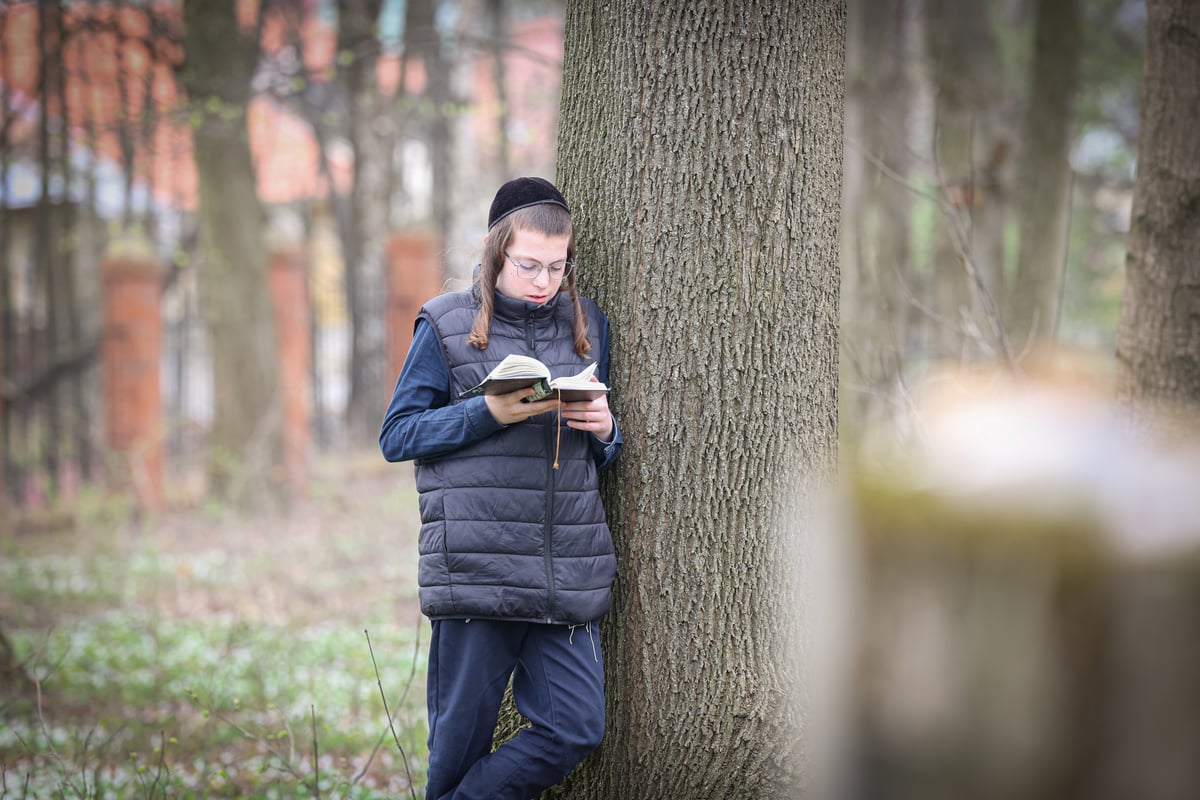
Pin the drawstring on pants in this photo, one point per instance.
(588, 627)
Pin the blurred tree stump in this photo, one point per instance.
(1026, 609)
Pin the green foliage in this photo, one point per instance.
(228, 702)
(217, 656)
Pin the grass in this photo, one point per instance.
(198, 654)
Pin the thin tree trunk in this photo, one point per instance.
(125, 122)
(95, 232)
(1044, 174)
(349, 77)
(876, 275)
(45, 244)
(498, 44)
(707, 210)
(1158, 339)
(424, 41)
(968, 153)
(245, 443)
(69, 255)
(7, 317)
(362, 230)
(147, 122)
(336, 110)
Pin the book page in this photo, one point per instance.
(518, 366)
(579, 386)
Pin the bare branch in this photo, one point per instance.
(961, 240)
(379, 681)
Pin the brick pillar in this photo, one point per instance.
(289, 298)
(131, 351)
(413, 276)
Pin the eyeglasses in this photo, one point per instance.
(559, 270)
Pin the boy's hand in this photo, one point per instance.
(509, 409)
(590, 415)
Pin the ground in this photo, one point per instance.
(197, 652)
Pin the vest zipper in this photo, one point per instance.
(551, 602)
(547, 529)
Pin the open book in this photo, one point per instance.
(517, 372)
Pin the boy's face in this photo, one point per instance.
(532, 249)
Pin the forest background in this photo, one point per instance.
(191, 593)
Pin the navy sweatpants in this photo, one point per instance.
(558, 685)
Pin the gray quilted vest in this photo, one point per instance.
(503, 534)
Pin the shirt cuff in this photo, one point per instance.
(607, 450)
(480, 419)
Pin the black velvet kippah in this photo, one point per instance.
(521, 193)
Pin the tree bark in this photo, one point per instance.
(1158, 338)
(1044, 175)
(245, 444)
(701, 148)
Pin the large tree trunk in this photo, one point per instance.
(245, 443)
(1044, 175)
(1158, 340)
(701, 149)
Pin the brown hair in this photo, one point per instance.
(546, 219)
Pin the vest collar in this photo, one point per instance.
(514, 310)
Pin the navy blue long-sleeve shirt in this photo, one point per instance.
(421, 422)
